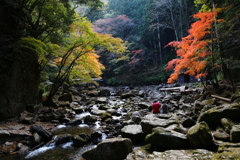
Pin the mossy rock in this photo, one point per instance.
(200, 136)
(127, 95)
(105, 116)
(213, 116)
(208, 101)
(227, 151)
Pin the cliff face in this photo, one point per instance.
(19, 85)
(19, 71)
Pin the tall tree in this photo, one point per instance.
(32, 23)
(193, 49)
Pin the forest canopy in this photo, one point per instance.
(123, 40)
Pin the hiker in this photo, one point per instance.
(164, 107)
(156, 107)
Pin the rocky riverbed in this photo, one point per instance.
(109, 123)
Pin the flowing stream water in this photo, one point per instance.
(67, 151)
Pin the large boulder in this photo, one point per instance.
(167, 139)
(200, 136)
(213, 116)
(152, 121)
(114, 148)
(134, 132)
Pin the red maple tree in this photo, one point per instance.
(192, 50)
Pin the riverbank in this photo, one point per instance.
(85, 117)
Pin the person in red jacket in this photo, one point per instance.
(156, 107)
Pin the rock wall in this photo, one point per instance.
(19, 70)
(18, 84)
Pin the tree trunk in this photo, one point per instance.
(227, 74)
(159, 40)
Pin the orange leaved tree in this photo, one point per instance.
(193, 49)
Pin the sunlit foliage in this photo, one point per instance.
(192, 49)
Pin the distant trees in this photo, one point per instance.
(120, 26)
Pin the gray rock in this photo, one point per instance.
(200, 136)
(134, 132)
(78, 141)
(37, 138)
(152, 121)
(235, 134)
(136, 117)
(112, 111)
(78, 110)
(144, 105)
(28, 118)
(105, 116)
(109, 149)
(227, 151)
(101, 100)
(127, 95)
(75, 122)
(90, 119)
(104, 92)
(186, 99)
(167, 139)
(198, 106)
(77, 99)
(96, 137)
(72, 130)
(97, 111)
(74, 104)
(223, 136)
(182, 155)
(93, 93)
(186, 107)
(46, 136)
(208, 101)
(227, 124)
(213, 116)
(61, 139)
(13, 135)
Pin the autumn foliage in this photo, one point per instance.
(192, 50)
(133, 58)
